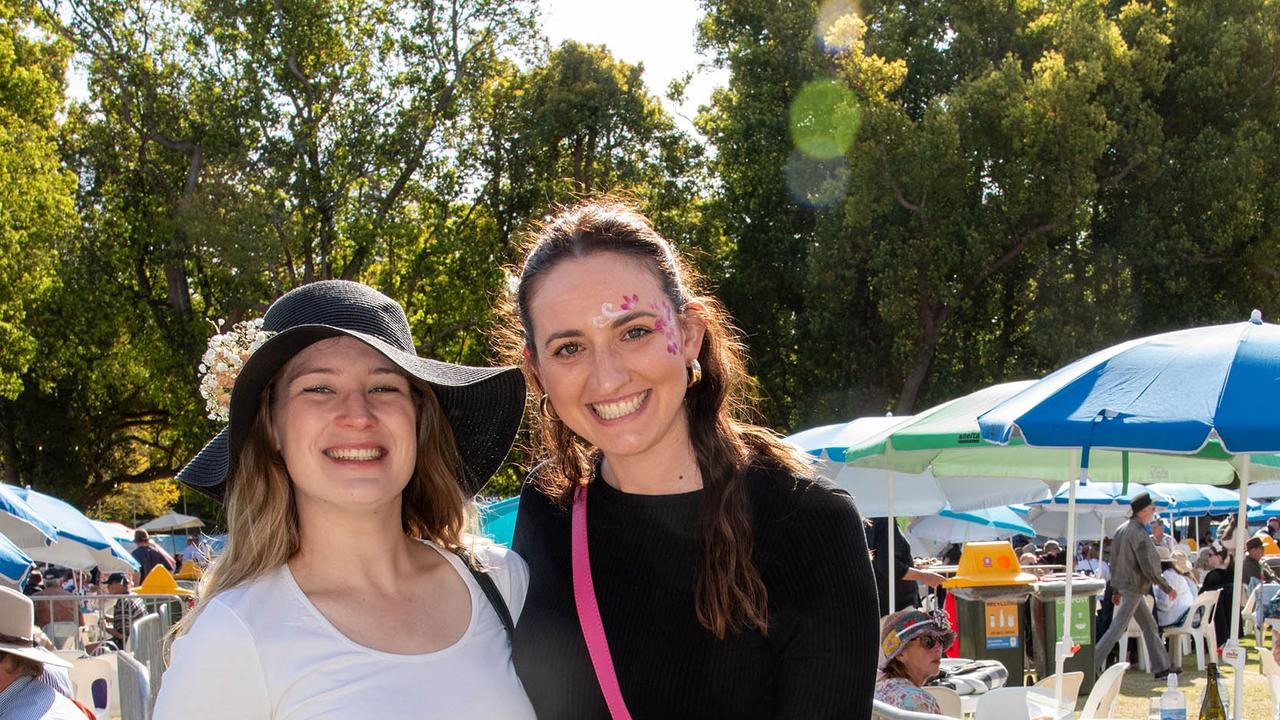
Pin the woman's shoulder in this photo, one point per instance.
(905, 695)
(782, 494)
(507, 569)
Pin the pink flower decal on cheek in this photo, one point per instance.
(667, 326)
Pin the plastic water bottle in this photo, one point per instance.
(1173, 704)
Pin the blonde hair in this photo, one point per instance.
(262, 516)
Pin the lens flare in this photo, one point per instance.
(817, 182)
(824, 119)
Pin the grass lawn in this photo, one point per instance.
(1139, 687)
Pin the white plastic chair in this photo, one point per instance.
(1071, 682)
(1203, 638)
(60, 632)
(949, 703)
(885, 711)
(1134, 632)
(1101, 702)
(1006, 703)
(1271, 671)
(1248, 617)
(93, 681)
(135, 688)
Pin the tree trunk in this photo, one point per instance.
(915, 379)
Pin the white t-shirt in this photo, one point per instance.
(263, 651)
(1099, 568)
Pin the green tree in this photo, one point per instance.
(37, 210)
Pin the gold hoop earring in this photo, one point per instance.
(695, 373)
(546, 410)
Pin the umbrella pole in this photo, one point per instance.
(891, 572)
(1242, 527)
(1064, 647)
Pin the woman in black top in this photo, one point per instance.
(730, 583)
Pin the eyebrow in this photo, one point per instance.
(616, 322)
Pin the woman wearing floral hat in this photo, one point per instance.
(710, 574)
(348, 588)
(911, 647)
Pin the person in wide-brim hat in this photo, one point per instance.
(484, 406)
(23, 663)
(347, 466)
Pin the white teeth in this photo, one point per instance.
(355, 454)
(621, 408)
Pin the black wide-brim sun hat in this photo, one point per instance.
(484, 406)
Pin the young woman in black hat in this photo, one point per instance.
(348, 587)
(711, 576)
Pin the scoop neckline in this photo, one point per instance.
(454, 562)
(610, 491)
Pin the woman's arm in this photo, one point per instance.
(214, 673)
(826, 615)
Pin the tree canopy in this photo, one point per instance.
(898, 202)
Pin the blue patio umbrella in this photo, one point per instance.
(14, 564)
(80, 545)
(498, 520)
(1259, 515)
(1208, 391)
(952, 526)
(1106, 498)
(1198, 500)
(22, 524)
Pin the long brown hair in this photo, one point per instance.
(730, 595)
(262, 515)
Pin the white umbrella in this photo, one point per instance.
(169, 522)
(888, 493)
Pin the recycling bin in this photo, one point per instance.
(1047, 598)
(991, 594)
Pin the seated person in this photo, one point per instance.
(1093, 564)
(1029, 559)
(1053, 554)
(64, 609)
(125, 611)
(1177, 571)
(1253, 565)
(22, 664)
(911, 647)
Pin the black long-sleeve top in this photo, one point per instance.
(817, 661)
(905, 593)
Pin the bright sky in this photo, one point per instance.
(658, 33)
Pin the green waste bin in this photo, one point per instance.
(991, 604)
(1047, 598)
(991, 625)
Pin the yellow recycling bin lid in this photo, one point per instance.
(189, 571)
(160, 582)
(985, 564)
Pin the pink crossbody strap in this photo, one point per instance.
(584, 596)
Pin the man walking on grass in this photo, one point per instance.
(1135, 567)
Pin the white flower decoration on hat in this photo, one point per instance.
(221, 363)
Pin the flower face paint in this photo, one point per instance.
(666, 325)
(607, 313)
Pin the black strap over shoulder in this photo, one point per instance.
(490, 589)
